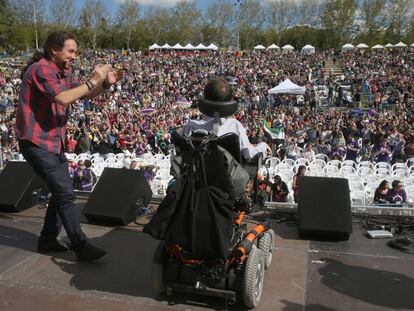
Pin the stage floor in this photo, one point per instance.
(359, 274)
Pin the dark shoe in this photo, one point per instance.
(45, 246)
(88, 252)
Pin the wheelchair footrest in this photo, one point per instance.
(202, 290)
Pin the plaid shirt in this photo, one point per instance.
(39, 118)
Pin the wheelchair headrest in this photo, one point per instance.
(224, 109)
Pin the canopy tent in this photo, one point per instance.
(189, 47)
(308, 49)
(154, 46)
(273, 47)
(288, 48)
(166, 46)
(377, 47)
(412, 45)
(347, 47)
(178, 47)
(200, 47)
(400, 45)
(259, 47)
(288, 87)
(212, 47)
(362, 46)
(389, 45)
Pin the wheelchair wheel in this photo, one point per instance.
(157, 269)
(265, 244)
(253, 278)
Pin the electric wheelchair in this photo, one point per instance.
(206, 247)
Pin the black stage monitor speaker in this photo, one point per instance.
(20, 187)
(324, 208)
(115, 197)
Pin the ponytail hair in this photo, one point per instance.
(37, 55)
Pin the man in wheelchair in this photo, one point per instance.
(205, 246)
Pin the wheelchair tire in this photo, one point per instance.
(157, 269)
(253, 278)
(265, 244)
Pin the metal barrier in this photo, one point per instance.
(405, 210)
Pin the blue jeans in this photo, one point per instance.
(53, 169)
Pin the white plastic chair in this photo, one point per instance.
(382, 165)
(358, 197)
(120, 156)
(315, 170)
(290, 162)
(111, 162)
(382, 172)
(349, 163)
(272, 162)
(322, 156)
(301, 161)
(331, 170)
(319, 162)
(348, 170)
(336, 163)
(364, 171)
(366, 164)
(83, 156)
(159, 156)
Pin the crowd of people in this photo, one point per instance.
(160, 90)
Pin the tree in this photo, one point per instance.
(186, 22)
(7, 20)
(250, 21)
(308, 12)
(63, 13)
(92, 17)
(338, 20)
(128, 16)
(158, 24)
(281, 14)
(24, 10)
(399, 14)
(218, 23)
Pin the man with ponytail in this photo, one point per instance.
(48, 89)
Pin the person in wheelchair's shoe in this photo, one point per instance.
(219, 94)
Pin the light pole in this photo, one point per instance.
(35, 23)
(238, 5)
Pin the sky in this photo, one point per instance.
(113, 4)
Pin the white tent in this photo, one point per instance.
(347, 47)
(212, 47)
(400, 45)
(200, 47)
(273, 47)
(259, 47)
(288, 48)
(189, 47)
(166, 46)
(154, 46)
(362, 46)
(389, 45)
(377, 47)
(288, 87)
(178, 47)
(308, 49)
(412, 45)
